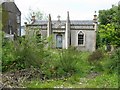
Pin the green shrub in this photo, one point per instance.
(83, 66)
(64, 63)
(8, 55)
(95, 60)
(30, 53)
(22, 53)
(95, 56)
(112, 63)
(59, 63)
(68, 60)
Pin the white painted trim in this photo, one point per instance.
(62, 35)
(66, 36)
(83, 39)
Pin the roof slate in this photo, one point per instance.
(81, 22)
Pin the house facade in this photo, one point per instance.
(11, 18)
(80, 34)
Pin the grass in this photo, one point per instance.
(82, 78)
(64, 68)
(104, 81)
(75, 81)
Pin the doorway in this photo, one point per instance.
(59, 41)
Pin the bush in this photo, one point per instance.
(59, 63)
(22, 53)
(95, 60)
(112, 64)
(8, 55)
(68, 60)
(95, 57)
(64, 63)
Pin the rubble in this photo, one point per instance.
(16, 79)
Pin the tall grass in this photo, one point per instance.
(27, 51)
(22, 53)
(68, 60)
(111, 63)
(58, 64)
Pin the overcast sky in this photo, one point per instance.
(78, 9)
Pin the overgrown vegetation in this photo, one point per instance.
(55, 67)
(41, 67)
(109, 27)
(21, 54)
(111, 63)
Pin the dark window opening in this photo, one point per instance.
(80, 38)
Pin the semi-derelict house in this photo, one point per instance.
(11, 18)
(77, 33)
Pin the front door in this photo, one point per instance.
(58, 41)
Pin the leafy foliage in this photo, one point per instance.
(108, 34)
(95, 56)
(68, 60)
(65, 67)
(61, 63)
(109, 28)
(111, 64)
(94, 59)
(59, 66)
(7, 54)
(22, 53)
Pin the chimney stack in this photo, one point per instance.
(95, 18)
(33, 18)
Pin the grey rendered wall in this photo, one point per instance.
(90, 40)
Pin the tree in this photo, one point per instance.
(108, 16)
(37, 13)
(109, 27)
(108, 34)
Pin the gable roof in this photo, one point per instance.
(82, 22)
(9, 6)
(72, 22)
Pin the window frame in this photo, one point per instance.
(82, 33)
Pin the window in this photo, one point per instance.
(18, 18)
(80, 38)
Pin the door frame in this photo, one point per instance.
(60, 35)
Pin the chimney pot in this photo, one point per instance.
(33, 17)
